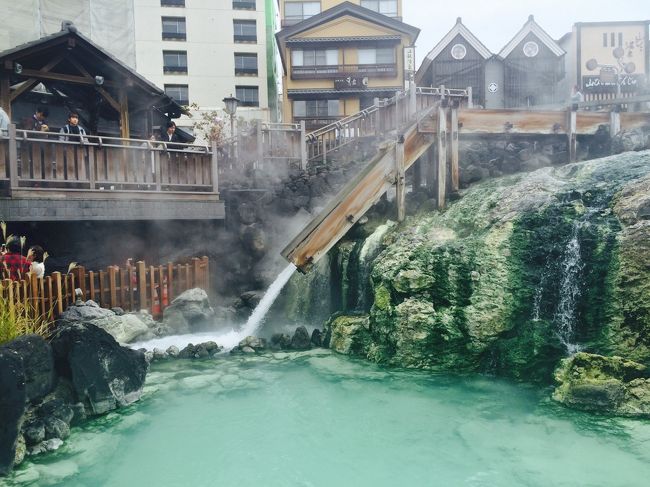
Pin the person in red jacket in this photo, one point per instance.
(13, 264)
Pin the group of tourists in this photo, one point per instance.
(15, 266)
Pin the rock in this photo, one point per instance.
(56, 428)
(159, 354)
(301, 339)
(13, 397)
(126, 328)
(117, 310)
(56, 408)
(34, 432)
(316, 338)
(253, 342)
(38, 365)
(202, 350)
(412, 281)
(601, 384)
(45, 446)
(173, 351)
(84, 313)
(190, 311)
(247, 350)
(103, 374)
(630, 140)
(78, 414)
(247, 213)
(350, 335)
(254, 239)
(21, 450)
(280, 341)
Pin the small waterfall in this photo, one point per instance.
(258, 314)
(369, 251)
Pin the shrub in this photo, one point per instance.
(19, 320)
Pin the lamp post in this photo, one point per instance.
(230, 103)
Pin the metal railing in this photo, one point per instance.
(334, 71)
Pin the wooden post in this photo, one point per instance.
(13, 158)
(571, 134)
(400, 180)
(453, 138)
(614, 121)
(102, 289)
(92, 176)
(80, 275)
(152, 289)
(8, 284)
(34, 294)
(442, 157)
(322, 137)
(142, 283)
(124, 115)
(91, 283)
(50, 297)
(112, 285)
(413, 107)
(470, 97)
(5, 91)
(206, 271)
(196, 271)
(303, 146)
(124, 285)
(58, 288)
(170, 280)
(214, 167)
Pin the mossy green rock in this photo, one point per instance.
(603, 384)
(350, 335)
(519, 272)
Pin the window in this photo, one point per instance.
(245, 63)
(175, 61)
(314, 57)
(249, 96)
(243, 4)
(316, 108)
(180, 93)
(620, 39)
(381, 55)
(605, 40)
(173, 28)
(295, 12)
(613, 38)
(172, 3)
(245, 30)
(386, 7)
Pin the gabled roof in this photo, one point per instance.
(531, 26)
(340, 10)
(104, 62)
(458, 29)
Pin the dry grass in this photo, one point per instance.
(18, 320)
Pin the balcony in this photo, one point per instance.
(245, 38)
(174, 36)
(175, 69)
(335, 71)
(245, 71)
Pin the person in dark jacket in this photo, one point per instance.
(38, 121)
(170, 136)
(72, 131)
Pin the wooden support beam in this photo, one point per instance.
(453, 139)
(5, 92)
(30, 83)
(13, 158)
(614, 122)
(303, 146)
(124, 115)
(214, 169)
(111, 101)
(572, 134)
(400, 180)
(441, 143)
(70, 78)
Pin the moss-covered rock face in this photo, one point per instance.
(350, 335)
(519, 273)
(603, 384)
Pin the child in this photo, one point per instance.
(35, 256)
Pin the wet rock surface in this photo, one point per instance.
(189, 312)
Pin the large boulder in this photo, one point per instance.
(38, 364)
(601, 384)
(125, 328)
(103, 374)
(190, 311)
(630, 140)
(349, 335)
(12, 406)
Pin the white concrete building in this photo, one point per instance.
(201, 51)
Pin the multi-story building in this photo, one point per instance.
(201, 51)
(337, 57)
(618, 48)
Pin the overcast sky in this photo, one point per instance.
(495, 22)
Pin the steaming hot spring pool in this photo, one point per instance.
(318, 419)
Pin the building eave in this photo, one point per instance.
(532, 27)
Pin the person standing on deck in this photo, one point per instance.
(36, 256)
(37, 122)
(4, 121)
(72, 131)
(170, 136)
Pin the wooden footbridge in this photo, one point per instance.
(426, 124)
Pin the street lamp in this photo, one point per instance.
(231, 104)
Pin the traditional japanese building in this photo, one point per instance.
(459, 60)
(338, 61)
(533, 67)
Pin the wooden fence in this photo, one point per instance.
(131, 287)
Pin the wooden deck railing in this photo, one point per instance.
(131, 288)
(41, 160)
